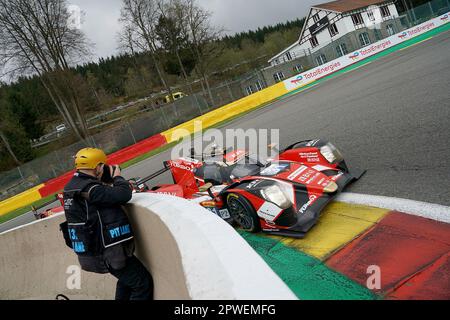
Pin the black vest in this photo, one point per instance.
(92, 229)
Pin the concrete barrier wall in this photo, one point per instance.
(191, 253)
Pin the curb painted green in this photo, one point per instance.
(306, 276)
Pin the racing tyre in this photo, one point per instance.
(243, 213)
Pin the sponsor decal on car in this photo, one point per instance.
(304, 175)
(269, 211)
(312, 199)
(297, 172)
(167, 193)
(313, 178)
(253, 184)
(182, 166)
(274, 169)
(310, 156)
(222, 213)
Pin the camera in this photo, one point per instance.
(107, 176)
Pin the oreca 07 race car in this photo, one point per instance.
(285, 196)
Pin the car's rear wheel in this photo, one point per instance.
(243, 213)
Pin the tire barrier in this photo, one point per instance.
(191, 253)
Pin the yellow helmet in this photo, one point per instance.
(89, 158)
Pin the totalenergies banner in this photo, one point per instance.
(340, 63)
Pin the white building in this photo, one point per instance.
(328, 22)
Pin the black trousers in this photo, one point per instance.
(134, 281)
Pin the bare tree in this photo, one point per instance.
(35, 37)
(172, 31)
(139, 19)
(203, 37)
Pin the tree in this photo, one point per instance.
(12, 134)
(35, 37)
(172, 32)
(139, 19)
(203, 38)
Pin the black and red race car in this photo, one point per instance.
(284, 196)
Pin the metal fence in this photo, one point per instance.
(153, 119)
(149, 121)
(305, 59)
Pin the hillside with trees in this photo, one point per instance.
(175, 47)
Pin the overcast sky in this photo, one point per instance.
(101, 26)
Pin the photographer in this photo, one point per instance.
(98, 229)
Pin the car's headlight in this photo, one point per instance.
(331, 153)
(276, 195)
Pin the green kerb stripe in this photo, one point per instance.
(306, 276)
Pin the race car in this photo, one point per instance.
(285, 196)
(45, 213)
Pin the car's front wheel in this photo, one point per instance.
(243, 213)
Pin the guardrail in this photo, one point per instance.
(191, 253)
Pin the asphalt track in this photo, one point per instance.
(391, 117)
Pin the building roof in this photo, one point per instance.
(347, 5)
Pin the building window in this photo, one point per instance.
(259, 85)
(279, 76)
(371, 16)
(378, 35)
(288, 56)
(298, 68)
(249, 90)
(341, 50)
(313, 41)
(357, 19)
(364, 39)
(316, 17)
(321, 59)
(333, 30)
(385, 11)
(390, 29)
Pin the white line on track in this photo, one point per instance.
(422, 209)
